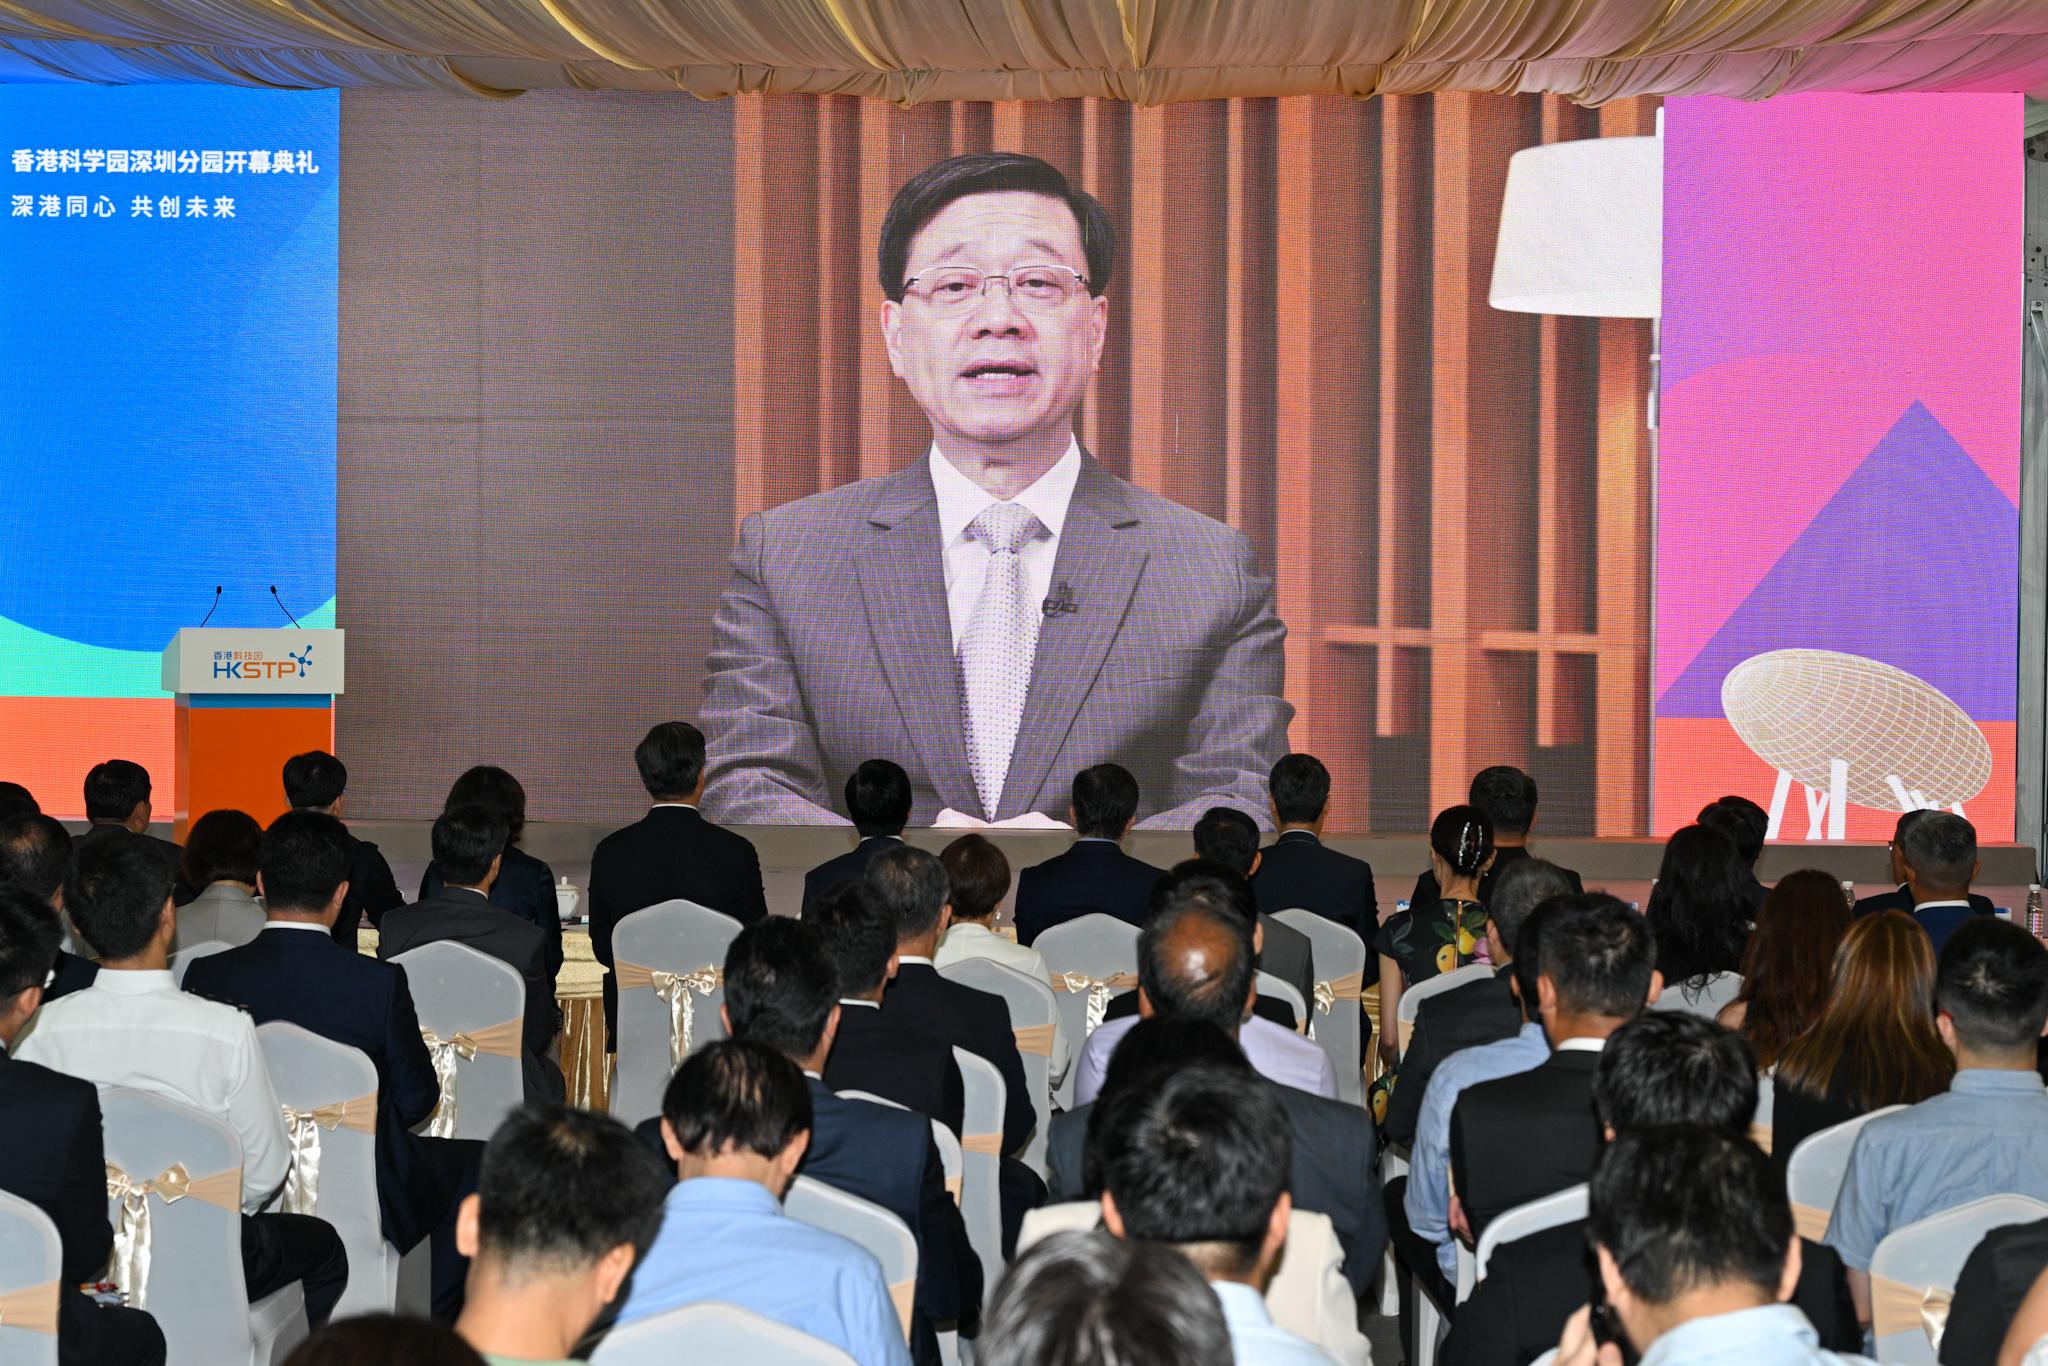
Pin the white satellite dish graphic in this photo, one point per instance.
(1849, 729)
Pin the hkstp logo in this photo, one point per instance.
(254, 665)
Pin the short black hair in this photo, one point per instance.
(29, 937)
(1528, 955)
(737, 1093)
(561, 1187)
(1217, 998)
(670, 758)
(221, 846)
(1300, 786)
(1462, 836)
(856, 934)
(1685, 1208)
(910, 885)
(1227, 836)
(1600, 955)
(977, 876)
(1941, 850)
(925, 195)
(1083, 1298)
(315, 778)
(465, 839)
(1197, 1161)
(1742, 821)
(1166, 1043)
(113, 788)
(1207, 882)
(1992, 981)
(779, 986)
(16, 800)
(878, 798)
(1105, 800)
(35, 851)
(116, 891)
(1668, 1067)
(384, 1337)
(304, 857)
(1519, 889)
(1507, 796)
(489, 785)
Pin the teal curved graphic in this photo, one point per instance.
(36, 664)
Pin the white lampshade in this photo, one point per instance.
(1582, 230)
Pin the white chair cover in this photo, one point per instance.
(1561, 1207)
(1705, 1001)
(1913, 1273)
(1766, 1107)
(885, 1236)
(1412, 997)
(1033, 1008)
(1280, 989)
(711, 1331)
(1340, 978)
(1092, 958)
(459, 991)
(1813, 1176)
(194, 1284)
(31, 1283)
(981, 1156)
(682, 945)
(184, 958)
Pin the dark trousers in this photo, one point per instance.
(1020, 1191)
(88, 1335)
(1414, 1264)
(458, 1164)
(278, 1249)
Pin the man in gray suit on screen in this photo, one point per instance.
(1004, 612)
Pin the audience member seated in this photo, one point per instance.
(1527, 1136)
(873, 1052)
(16, 800)
(1196, 956)
(878, 800)
(317, 781)
(1662, 1070)
(382, 1339)
(977, 876)
(670, 854)
(1269, 1008)
(1095, 875)
(1696, 1251)
(1988, 1135)
(52, 1154)
(1699, 909)
(133, 1027)
(2026, 1342)
(1785, 969)
(1084, 1299)
(1478, 1012)
(1443, 933)
(736, 1120)
(524, 886)
(469, 842)
(1900, 897)
(567, 1203)
(221, 851)
(1990, 1291)
(295, 972)
(1745, 824)
(1227, 836)
(117, 799)
(35, 852)
(1508, 797)
(1199, 1163)
(1939, 855)
(1297, 871)
(1874, 1044)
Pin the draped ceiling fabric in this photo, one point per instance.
(1147, 52)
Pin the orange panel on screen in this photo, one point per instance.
(232, 757)
(48, 743)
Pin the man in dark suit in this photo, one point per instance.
(1297, 871)
(53, 1153)
(1004, 611)
(1228, 837)
(35, 852)
(880, 1054)
(1095, 875)
(1508, 797)
(1994, 1282)
(878, 799)
(468, 842)
(295, 972)
(1745, 824)
(670, 854)
(117, 798)
(1943, 900)
(318, 781)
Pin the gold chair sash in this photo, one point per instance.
(1812, 1223)
(1098, 989)
(902, 1293)
(989, 1144)
(1035, 1039)
(500, 1039)
(675, 988)
(33, 1308)
(302, 1128)
(953, 1189)
(131, 1220)
(1760, 1134)
(1897, 1308)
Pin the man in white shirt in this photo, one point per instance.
(133, 1027)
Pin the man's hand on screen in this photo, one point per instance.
(949, 819)
(1031, 820)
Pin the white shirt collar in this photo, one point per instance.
(856, 1001)
(133, 982)
(314, 926)
(1582, 1046)
(687, 806)
(913, 958)
(961, 500)
(1921, 906)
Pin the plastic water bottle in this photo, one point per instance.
(1849, 893)
(2034, 926)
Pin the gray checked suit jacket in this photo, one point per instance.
(833, 645)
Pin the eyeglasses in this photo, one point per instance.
(1040, 289)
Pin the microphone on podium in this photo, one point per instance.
(284, 609)
(214, 608)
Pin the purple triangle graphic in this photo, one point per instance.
(1913, 562)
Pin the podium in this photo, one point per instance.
(247, 700)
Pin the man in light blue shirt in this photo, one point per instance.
(736, 1118)
(1989, 1134)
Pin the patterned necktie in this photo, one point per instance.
(996, 650)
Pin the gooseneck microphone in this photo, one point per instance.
(284, 609)
(214, 608)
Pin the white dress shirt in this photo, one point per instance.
(965, 939)
(961, 500)
(136, 1029)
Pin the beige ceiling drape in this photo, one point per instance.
(1144, 51)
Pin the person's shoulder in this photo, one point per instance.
(1175, 521)
(727, 840)
(844, 505)
(1306, 1107)
(24, 1082)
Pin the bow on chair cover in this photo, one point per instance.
(32, 1309)
(1098, 989)
(499, 1039)
(676, 988)
(1328, 993)
(1896, 1307)
(131, 1218)
(302, 1127)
